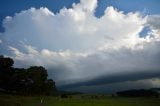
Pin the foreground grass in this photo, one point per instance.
(9, 100)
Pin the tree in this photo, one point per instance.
(19, 81)
(31, 81)
(6, 72)
(50, 87)
(40, 84)
(37, 74)
(6, 62)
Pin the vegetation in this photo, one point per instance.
(31, 81)
(139, 93)
(77, 100)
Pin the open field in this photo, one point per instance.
(79, 100)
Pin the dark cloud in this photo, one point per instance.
(115, 78)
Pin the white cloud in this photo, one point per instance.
(75, 29)
(75, 44)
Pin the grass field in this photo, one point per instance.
(79, 100)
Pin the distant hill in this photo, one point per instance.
(154, 92)
(155, 89)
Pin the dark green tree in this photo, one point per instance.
(6, 72)
(39, 82)
(31, 81)
(50, 88)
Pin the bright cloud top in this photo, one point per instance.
(75, 44)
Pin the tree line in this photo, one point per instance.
(138, 93)
(31, 81)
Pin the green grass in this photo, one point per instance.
(8, 100)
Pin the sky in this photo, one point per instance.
(86, 45)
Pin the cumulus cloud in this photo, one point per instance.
(76, 46)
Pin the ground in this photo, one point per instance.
(78, 100)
